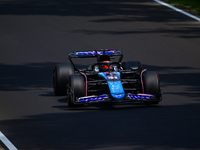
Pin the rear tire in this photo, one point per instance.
(151, 85)
(76, 89)
(128, 64)
(61, 72)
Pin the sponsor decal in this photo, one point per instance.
(94, 53)
(92, 98)
(140, 96)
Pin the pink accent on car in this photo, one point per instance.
(85, 82)
(142, 80)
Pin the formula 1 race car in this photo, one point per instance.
(106, 80)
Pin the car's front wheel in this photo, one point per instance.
(151, 85)
(76, 89)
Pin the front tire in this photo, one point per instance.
(76, 89)
(151, 85)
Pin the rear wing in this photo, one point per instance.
(95, 53)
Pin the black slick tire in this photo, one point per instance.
(76, 89)
(61, 73)
(151, 85)
(128, 64)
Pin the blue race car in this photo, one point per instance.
(106, 80)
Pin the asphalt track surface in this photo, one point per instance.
(36, 34)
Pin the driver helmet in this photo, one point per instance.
(105, 58)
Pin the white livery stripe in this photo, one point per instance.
(6, 142)
(177, 9)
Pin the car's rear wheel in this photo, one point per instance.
(132, 65)
(151, 85)
(76, 89)
(61, 72)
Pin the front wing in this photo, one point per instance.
(129, 97)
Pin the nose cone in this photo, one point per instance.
(116, 89)
(118, 96)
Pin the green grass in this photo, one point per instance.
(192, 6)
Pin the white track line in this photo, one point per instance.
(179, 10)
(7, 143)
